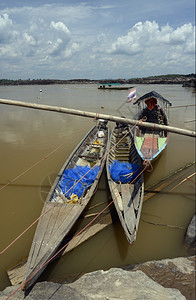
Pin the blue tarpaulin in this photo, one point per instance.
(123, 171)
(69, 181)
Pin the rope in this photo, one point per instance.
(49, 208)
(166, 225)
(59, 251)
(76, 234)
(139, 123)
(24, 283)
(30, 168)
(148, 163)
(20, 235)
(96, 117)
(153, 186)
(52, 205)
(34, 222)
(182, 181)
(103, 157)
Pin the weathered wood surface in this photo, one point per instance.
(100, 116)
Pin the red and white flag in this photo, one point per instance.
(131, 96)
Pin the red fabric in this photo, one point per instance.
(150, 142)
(151, 103)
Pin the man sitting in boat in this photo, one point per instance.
(153, 113)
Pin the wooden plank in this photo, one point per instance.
(129, 212)
(64, 210)
(114, 189)
(68, 222)
(16, 274)
(38, 237)
(89, 232)
(43, 236)
(52, 221)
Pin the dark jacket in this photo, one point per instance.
(156, 115)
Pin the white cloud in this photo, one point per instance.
(5, 21)
(148, 35)
(86, 37)
(40, 40)
(179, 36)
(60, 26)
(55, 47)
(6, 29)
(72, 49)
(141, 35)
(156, 49)
(29, 39)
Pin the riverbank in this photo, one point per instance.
(185, 80)
(162, 279)
(157, 279)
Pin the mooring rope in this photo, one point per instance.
(34, 165)
(18, 176)
(145, 167)
(182, 181)
(52, 205)
(62, 248)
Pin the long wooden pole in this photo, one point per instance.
(100, 116)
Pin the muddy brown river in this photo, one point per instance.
(28, 136)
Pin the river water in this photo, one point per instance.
(27, 136)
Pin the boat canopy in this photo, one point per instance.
(110, 84)
(152, 94)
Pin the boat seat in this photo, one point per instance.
(89, 157)
(95, 145)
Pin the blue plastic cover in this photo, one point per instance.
(69, 181)
(123, 171)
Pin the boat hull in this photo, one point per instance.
(153, 108)
(150, 146)
(127, 197)
(59, 213)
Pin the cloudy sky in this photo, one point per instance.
(96, 39)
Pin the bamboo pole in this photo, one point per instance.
(100, 116)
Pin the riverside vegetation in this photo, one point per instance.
(185, 80)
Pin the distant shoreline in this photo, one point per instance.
(185, 80)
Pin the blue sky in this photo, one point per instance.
(96, 39)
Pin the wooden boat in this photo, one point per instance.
(125, 179)
(68, 197)
(151, 142)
